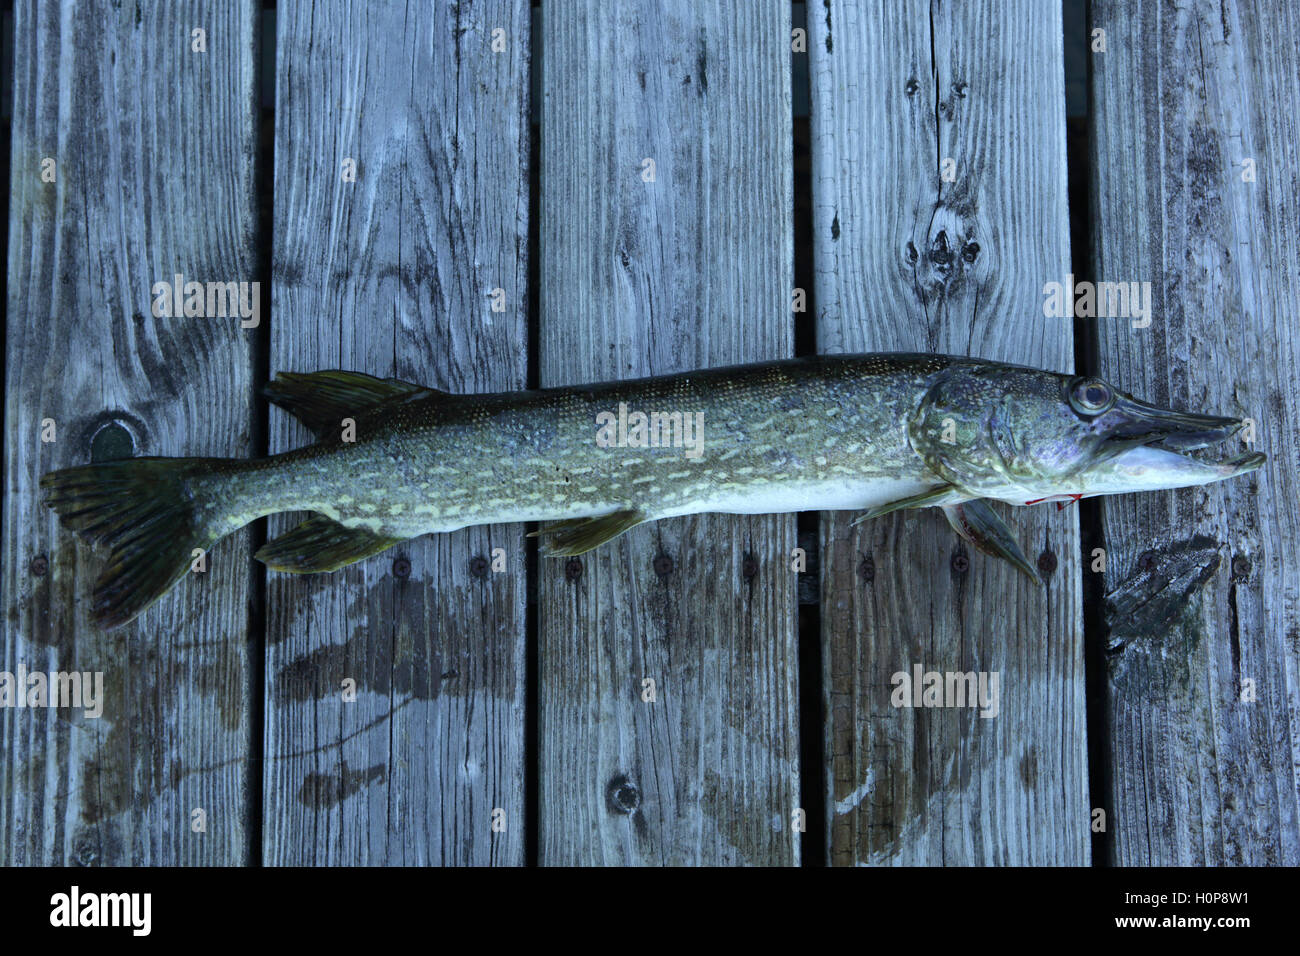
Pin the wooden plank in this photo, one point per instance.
(906, 260)
(1183, 96)
(688, 271)
(154, 145)
(393, 275)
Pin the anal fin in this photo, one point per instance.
(976, 522)
(579, 535)
(321, 544)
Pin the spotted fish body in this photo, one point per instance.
(786, 436)
(870, 432)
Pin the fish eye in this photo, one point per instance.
(1091, 396)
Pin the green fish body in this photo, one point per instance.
(873, 433)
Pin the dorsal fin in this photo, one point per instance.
(321, 400)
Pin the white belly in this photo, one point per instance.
(821, 496)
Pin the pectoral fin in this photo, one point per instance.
(975, 521)
(940, 496)
(578, 535)
(321, 544)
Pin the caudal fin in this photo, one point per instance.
(144, 509)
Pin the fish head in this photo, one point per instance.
(1022, 435)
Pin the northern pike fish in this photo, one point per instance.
(874, 433)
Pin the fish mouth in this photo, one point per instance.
(1136, 423)
(1187, 435)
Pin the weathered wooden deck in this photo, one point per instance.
(906, 166)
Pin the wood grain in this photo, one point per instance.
(907, 260)
(691, 270)
(393, 275)
(1183, 95)
(155, 147)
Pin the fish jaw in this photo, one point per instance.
(1152, 468)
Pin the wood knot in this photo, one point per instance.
(950, 260)
(867, 569)
(940, 252)
(621, 795)
(1157, 592)
(111, 440)
(748, 567)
